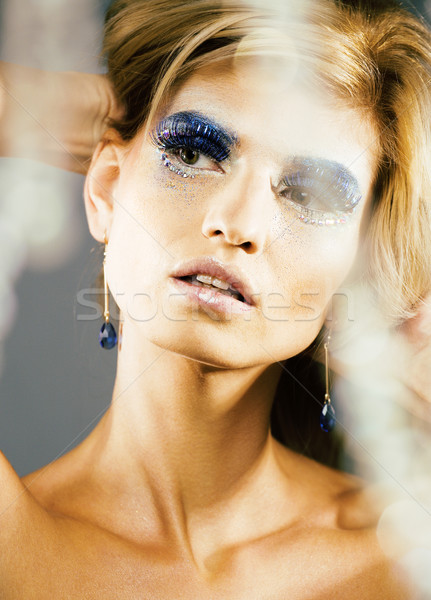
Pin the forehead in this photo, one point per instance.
(273, 111)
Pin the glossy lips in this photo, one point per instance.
(210, 265)
(211, 298)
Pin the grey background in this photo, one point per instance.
(55, 380)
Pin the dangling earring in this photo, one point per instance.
(327, 416)
(107, 334)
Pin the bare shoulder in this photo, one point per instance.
(9, 477)
(20, 520)
(335, 540)
(13, 495)
(16, 502)
(41, 549)
(337, 500)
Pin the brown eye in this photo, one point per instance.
(300, 196)
(189, 156)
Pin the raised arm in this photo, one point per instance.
(54, 117)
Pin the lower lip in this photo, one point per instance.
(210, 298)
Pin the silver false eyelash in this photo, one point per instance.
(305, 180)
(319, 218)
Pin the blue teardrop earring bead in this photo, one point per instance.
(327, 417)
(107, 336)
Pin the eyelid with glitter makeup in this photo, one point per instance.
(323, 192)
(192, 131)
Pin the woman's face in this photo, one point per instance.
(258, 174)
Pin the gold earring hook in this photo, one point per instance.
(105, 283)
(325, 346)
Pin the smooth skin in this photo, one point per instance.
(180, 491)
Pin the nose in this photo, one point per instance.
(240, 213)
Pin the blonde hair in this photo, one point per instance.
(374, 57)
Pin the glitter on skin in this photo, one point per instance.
(323, 192)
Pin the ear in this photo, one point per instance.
(101, 182)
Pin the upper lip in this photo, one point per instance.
(209, 265)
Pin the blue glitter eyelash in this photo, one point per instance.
(190, 131)
(330, 184)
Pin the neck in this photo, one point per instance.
(183, 437)
(199, 426)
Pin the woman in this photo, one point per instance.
(273, 153)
